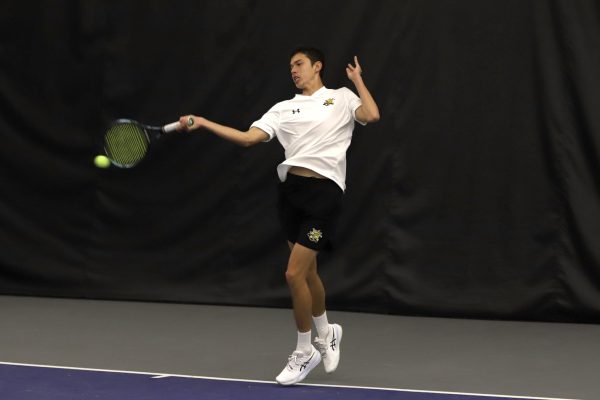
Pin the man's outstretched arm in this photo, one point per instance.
(247, 138)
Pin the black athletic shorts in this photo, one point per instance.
(308, 210)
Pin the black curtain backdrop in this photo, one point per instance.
(477, 194)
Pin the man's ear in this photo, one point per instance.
(318, 66)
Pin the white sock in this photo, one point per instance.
(303, 344)
(322, 325)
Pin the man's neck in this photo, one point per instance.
(311, 89)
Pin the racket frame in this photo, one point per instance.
(152, 133)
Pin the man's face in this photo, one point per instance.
(302, 71)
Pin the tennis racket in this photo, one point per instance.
(126, 141)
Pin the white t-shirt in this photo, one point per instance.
(315, 131)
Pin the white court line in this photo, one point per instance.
(158, 375)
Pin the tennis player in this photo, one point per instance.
(315, 129)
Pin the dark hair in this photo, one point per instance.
(313, 55)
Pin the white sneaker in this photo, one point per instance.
(298, 366)
(330, 347)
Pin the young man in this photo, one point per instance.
(315, 129)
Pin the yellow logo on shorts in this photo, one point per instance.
(315, 235)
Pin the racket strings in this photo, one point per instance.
(126, 144)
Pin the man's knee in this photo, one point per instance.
(302, 263)
(294, 277)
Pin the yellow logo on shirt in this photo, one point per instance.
(315, 235)
(329, 102)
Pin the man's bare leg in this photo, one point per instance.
(302, 268)
(315, 285)
(305, 357)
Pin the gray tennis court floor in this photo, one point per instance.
(63, 347)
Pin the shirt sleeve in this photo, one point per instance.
(269, 123)
(353, 103)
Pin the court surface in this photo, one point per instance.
(85, 349)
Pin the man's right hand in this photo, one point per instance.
(189, 123)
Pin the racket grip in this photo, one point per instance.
(171, 127)
(175, 125)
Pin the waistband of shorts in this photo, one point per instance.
(298, 180)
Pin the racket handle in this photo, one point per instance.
(175, 125)
(171, 127)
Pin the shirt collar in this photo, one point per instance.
(319, 92)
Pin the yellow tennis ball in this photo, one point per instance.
(101, 162)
